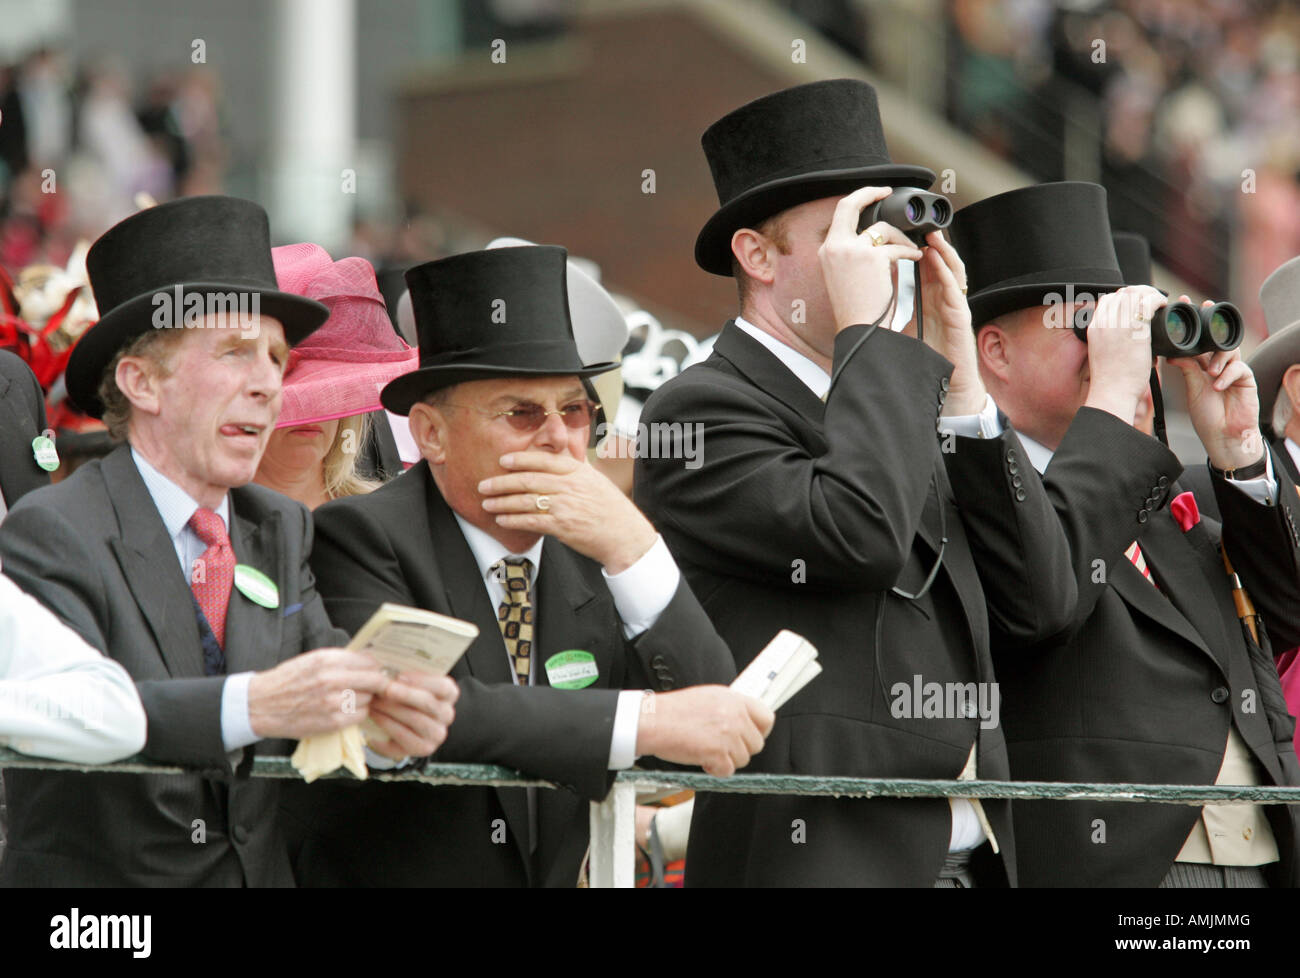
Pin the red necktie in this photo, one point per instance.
(213, 573)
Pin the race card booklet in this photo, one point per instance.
(786, 665)
(403, 640)
(414, 640)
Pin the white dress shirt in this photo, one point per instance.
(640, 593)
(967, 832)
(59, 697)
(176, 507)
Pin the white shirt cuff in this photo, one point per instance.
(986, 424)
(627, 718)
(236, 727)
(1262, 488)
(644, 590)
(378, 762)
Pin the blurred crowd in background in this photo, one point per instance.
(1194, 103)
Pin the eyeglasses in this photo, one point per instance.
(530, 417)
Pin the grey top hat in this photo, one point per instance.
(1280, 297)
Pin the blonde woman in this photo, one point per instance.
(333, 380)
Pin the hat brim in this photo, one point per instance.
(989, 304)
(316, 391)
(1269, 363)
(99, 344)
(713, 245)
(400, 395)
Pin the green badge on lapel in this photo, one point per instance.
(46, 455)
(256, 586)
(571, 670)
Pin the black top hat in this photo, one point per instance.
(1023, 245)
(818, 140)
(497, 313)
(1134, 254)
(204, 245)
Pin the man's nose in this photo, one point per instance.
(552, 436)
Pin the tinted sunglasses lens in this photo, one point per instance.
(578, 415)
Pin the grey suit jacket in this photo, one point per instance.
(95, 551)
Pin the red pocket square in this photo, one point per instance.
(1183, 508)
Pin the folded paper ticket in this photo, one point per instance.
(785, 666)
(403, 640)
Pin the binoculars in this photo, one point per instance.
(1180, 329)
(914, 212)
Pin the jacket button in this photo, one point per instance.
(1220, 694)
(1020, 495)
(1150, 502)
(657, 663)
(943, 383)
(1163, 481)
(1013, 468)
(240, 834)
(1142, 515)
(1017, 481)
(1011, 455)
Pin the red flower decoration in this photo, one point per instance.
(1183, 508)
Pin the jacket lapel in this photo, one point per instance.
(1185, 602)
(465, 594)
(253, 632)
(1281, 453)
(766, 372)
(148, 562)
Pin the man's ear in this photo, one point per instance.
(138, 379)
(1291, 387)
(993, 346)
(753, 252)
(429, 429)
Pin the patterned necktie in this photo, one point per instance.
(515, 614)
(1134, 553)
(213, 573)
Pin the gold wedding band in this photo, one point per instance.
(876, 239)
(963, 290)
(543, 503)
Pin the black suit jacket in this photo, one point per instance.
(803, 515)
(1143, 685)
(22, 418)
(401, 543)
(94, 550)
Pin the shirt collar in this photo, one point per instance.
(175, 505)
(1039, 456)
(814, 377)
(487, 549)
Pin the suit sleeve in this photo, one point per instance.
(1017, 541)
(1263, 543)
(849, 514)
(1105, 481)
(45, 557)
(555, 734)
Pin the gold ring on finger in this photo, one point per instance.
(543, 503)
(876, 239)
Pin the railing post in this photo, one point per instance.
(613, 838)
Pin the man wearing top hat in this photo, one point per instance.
(163, 558)
(505, 524)
(1155, 680)
(854, 510)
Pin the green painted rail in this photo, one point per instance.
(469, 775)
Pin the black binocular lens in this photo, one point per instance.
(1180, 329)
(914, 212)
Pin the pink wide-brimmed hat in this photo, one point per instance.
(339, 370)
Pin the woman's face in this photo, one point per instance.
(301, 447)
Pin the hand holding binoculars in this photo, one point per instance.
(1180, 329)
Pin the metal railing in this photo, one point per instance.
(613, 823)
